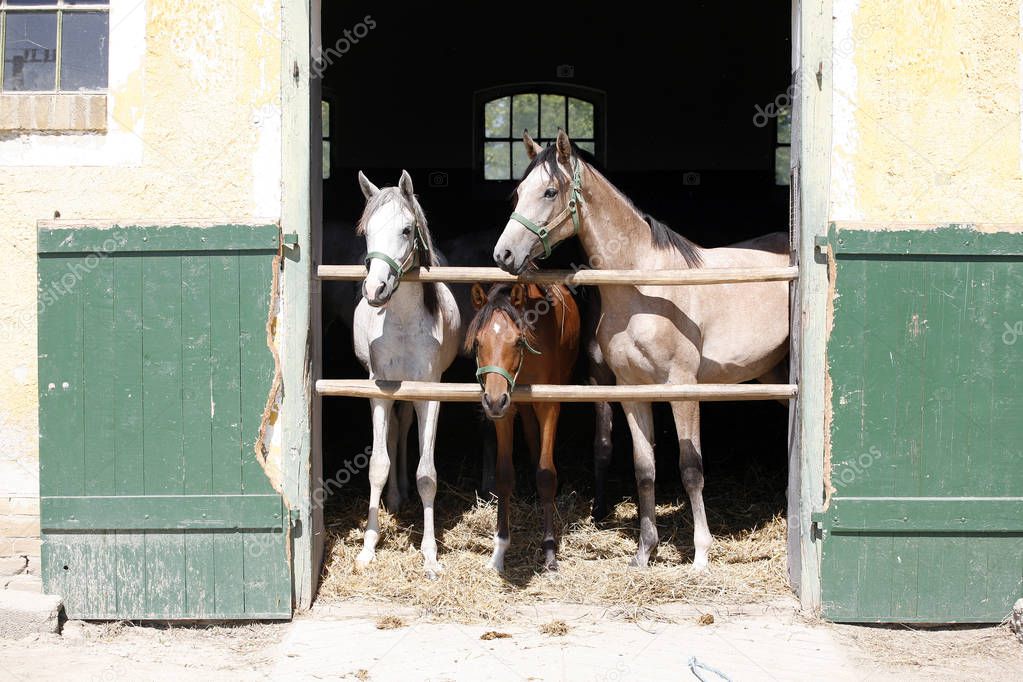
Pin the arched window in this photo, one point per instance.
(541, 108)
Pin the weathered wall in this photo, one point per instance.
(193, 133)
(927, 111)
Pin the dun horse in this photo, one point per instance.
(724, 333)
(530, 334)
(388, 322)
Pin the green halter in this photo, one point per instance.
(524, 345)
(414, 258)
(572, 209)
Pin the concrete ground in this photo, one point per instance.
(552, 642)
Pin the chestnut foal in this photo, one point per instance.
(530, 334)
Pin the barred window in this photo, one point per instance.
(54, 45)
(541, 113)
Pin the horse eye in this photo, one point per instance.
(407, 230)
(550, 193)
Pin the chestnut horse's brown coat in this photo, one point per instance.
(513, 322)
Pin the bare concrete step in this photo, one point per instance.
(26, 613)
(25, 583)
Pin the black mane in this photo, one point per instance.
(663, 236)
(498, 300)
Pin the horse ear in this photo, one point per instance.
(564, 146)
(532, 148)
(479, 297)
(517, 295)
(369, 190)
(405, 184)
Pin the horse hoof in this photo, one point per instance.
(496, 566)
(638, 562)
(365, 558)
(551, 566)
(700, 565)
(433, 572)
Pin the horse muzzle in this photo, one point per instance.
(380, 296)
(496, 408)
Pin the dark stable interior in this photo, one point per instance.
(679, 139)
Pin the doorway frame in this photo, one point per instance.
(812, 27)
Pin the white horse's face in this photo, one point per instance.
(390, 230)
(540, 198)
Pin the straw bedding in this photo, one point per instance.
(747, 558)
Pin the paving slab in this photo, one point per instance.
(26, 613)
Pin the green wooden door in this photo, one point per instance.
(153, 374)
(925, 523)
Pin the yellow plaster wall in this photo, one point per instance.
(194, 134)
(927, 112)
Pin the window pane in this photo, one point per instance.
(525, 109)
(496, 161)
(588, 146)
(16, 3)
(326, 159)
(580, 118)
(497, 117)
(552, 114)
(325, 117)
(785, 125)
(520, 160)
(30, 51)
(86, 2)
(781, 166)
(84, 58)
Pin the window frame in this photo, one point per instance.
(501, 188)
(777, 145)
(60, 7)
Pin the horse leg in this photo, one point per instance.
(427, 412)
(547, 478)
(602, 451)
(779, 374)
(641, 424)
(393, 498)
(379, 465)
(690, 464)
(404, 424)
(504, 485)
(489, 453)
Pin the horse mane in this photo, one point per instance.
(498, 300)
(386, 194)
(663, 236)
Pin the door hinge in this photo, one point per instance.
(817, 529)
(289, 239)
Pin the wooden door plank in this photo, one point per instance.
(196, 374)
(61, 399)
(98, 381)
(127, 376)
(161, 379)
(256, 363)
(225, 400)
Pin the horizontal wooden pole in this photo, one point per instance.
(548, 393)
(459, 275)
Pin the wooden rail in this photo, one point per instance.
(548, 393)
(460, 275)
